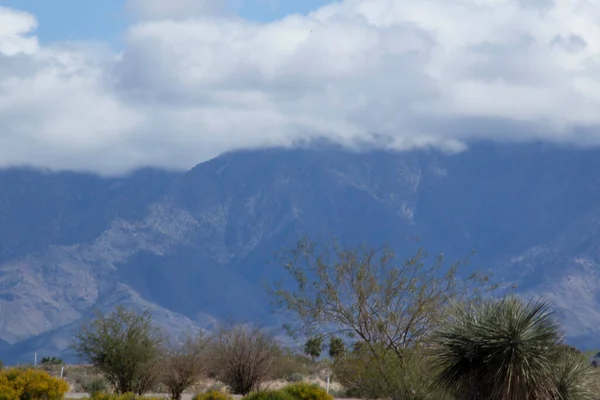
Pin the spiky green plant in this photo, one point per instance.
(499, 350)
(574, 378)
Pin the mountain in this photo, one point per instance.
(196, 247)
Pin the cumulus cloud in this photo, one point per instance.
(392, 73)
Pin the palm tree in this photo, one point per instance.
(499, 350)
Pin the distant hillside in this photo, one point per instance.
(196, 246)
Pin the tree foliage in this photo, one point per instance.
(124, 346)
(336, 347)
(313, 347)
(243, 357)
(389, 307)
(52, 361)
(367, 294)
(183, 364)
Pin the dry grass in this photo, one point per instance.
(76, 374)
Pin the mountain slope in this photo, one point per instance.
(196, 246)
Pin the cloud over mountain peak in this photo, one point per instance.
(390, 73)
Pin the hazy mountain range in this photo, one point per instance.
(197, 246)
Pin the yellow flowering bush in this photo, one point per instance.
(6, 391)
(305, 391)
(30, 384)
(212, 395)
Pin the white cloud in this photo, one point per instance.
(173, 9)
(396, 73)
(14, 27)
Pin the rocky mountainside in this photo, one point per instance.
(198, 246)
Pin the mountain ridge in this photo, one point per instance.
(197, 246)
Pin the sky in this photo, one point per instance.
(107, 20)
(110, 86)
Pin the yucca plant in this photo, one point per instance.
(500, 350)
(574, 378)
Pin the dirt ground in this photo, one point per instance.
(74, 395)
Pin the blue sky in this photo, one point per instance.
(106, 19)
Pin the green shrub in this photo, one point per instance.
(385, 375)
(94, 386)
(269, 395)
(212, 395)
(305, 391)
(124, 347)
(287, 364)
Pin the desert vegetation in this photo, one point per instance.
(30, 384)
(370, 325)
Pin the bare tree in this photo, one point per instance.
(243, 357)
(183, 364)
(124, 346)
